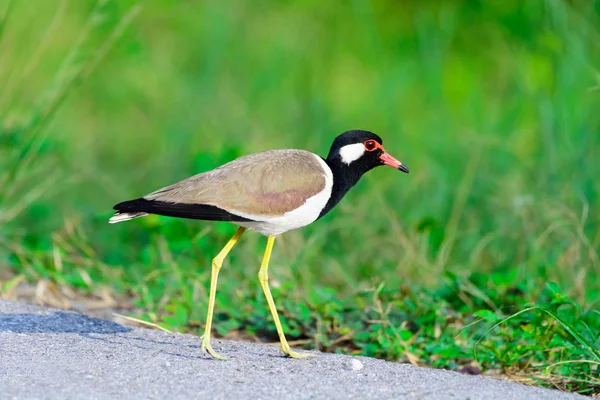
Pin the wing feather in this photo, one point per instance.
(270, 183)
(192, 211)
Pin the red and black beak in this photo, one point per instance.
(392, 162)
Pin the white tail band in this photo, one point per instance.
(120, 217)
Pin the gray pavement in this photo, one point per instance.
(53, 354)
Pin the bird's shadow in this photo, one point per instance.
(58, 322)
(84, 325)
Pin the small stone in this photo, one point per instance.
(357, 365)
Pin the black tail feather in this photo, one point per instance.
(180, 210)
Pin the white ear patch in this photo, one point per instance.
(352, 152)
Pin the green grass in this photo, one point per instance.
(486, 256)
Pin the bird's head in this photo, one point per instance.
(361, 151)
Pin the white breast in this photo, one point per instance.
(301, 216)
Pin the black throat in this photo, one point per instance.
(344, 177)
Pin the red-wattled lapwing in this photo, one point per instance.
(271, 192)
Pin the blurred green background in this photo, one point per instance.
(493, 105)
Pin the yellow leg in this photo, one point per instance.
(216, 266)
(263, 277)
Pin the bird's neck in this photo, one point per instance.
(344, 178)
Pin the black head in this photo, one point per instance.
(358, 151)
(352, 154)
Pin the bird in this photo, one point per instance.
(270, 192)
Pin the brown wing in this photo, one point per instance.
(270, 183)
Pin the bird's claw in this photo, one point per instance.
(206, 347)
(293, 354)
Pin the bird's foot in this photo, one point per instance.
(206, 347)
(291, 353)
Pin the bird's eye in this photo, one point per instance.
(370, 145)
